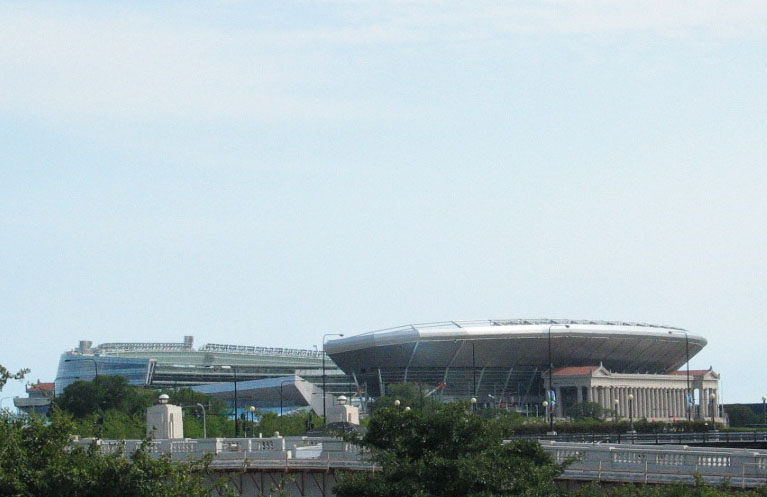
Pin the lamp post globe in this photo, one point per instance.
(616, 402)
(764, 409)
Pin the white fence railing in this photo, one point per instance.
(742, 467)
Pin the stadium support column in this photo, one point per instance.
(551, 368)
(324, 391)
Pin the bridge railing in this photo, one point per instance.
(656, 438)
(272, 448)
(670, 463)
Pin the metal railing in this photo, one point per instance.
(653, 464)
(716, 437)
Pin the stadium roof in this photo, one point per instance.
(621, 346)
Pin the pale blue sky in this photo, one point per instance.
(262, 173)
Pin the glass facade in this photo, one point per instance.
(74, 367)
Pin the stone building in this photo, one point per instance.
(655, 396)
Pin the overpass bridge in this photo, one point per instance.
(308, 467)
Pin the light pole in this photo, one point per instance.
(551, 395)
(687, 393)
(617, 416)
(473, 377)
(204, 421)
(324, 392)
(252, 410)
(81, 359)
(100, 420)
(631, 413)
(548, 412)
(236, 420)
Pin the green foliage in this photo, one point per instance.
(83, 398)
(293, 424)
(6, 375)
(586, 410)
(700, 489)
(36, 460)
(445, 451)
(409, 394)
(741, 415)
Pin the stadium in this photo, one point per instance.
(513, 364)
(507, 362)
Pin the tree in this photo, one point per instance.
(82, 398)
(6, 375)
(586, 410)
(445, 451)
(37, 460)
(409, 394)
(741, 415)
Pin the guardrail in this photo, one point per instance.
(587, 461)
(716, 437)
(227, 451)
(653, 464)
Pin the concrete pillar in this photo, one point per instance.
(558, 408)
(619, 396)
(684, 408)
(646, 401)
(672, 400)
(676, 411)
(578, 394)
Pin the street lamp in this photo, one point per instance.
(81, 359)
(687, 393)
(252, 410)
(204, 421)
(396, 402)
(473, 404)
(546, 411)
(551, 395)
(631, 413)
(617, 416)
(473, 376)
(324, 392)
(236, 420)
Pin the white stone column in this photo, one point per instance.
(673, 400)
(648, 404)
(684, 407)
(558, 408)
(579, 394)
(619, 396)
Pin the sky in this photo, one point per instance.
(262, 173)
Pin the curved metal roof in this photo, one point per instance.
(620, 346)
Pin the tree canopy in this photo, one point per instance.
(36, 460)
(445, 451)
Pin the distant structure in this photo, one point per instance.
(164, 420)
(342, 412)
(627, 368)
(155, 364)
(38, 400)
